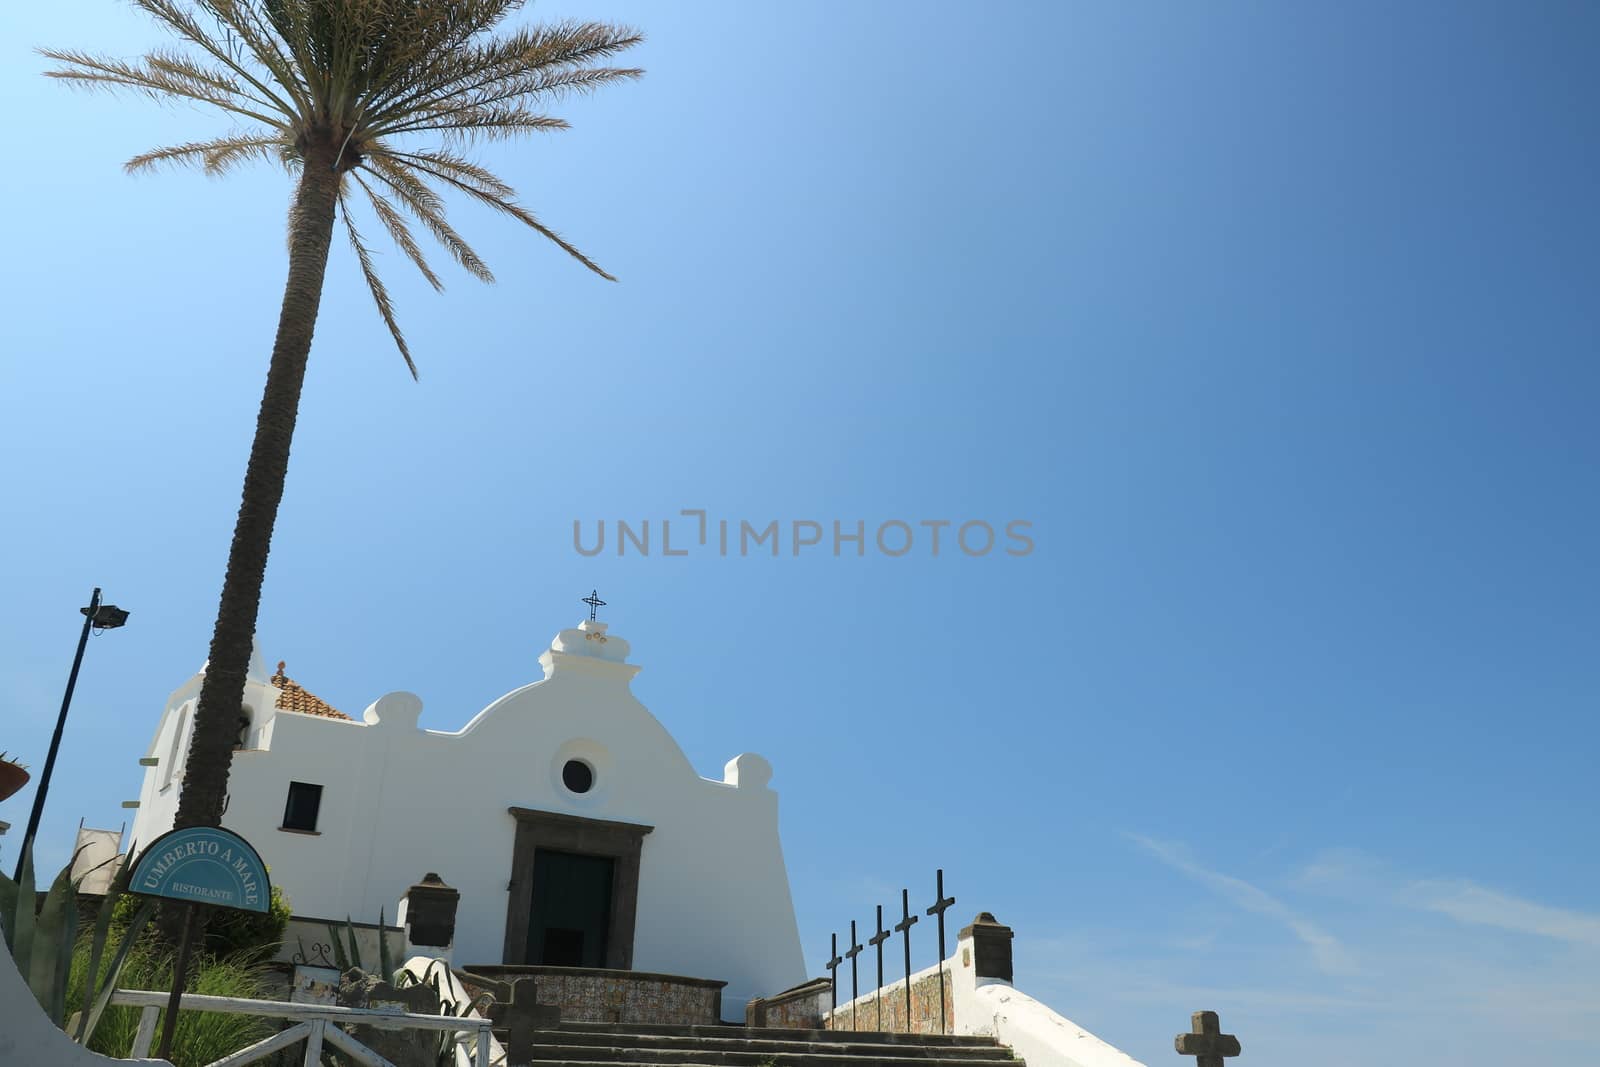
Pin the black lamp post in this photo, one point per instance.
(96, 616)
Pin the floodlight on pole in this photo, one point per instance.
(96, 616)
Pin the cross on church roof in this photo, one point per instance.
(594, 602)
(1206, 1040)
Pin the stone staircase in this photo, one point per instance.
(573, 1044)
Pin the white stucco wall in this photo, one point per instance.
(991, 1007)
(1039, 1035)
(398, 801)
(27, 1036)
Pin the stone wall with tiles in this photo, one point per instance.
(885, 1009)
(594, 995)
(800, 1008)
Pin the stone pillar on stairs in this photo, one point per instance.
(428, 914)
(983, 957)
(990, 941)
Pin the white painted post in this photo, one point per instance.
(265, 1047)
(483, 1047)
(314, 1043)
(145, 1034)
(355, 1049)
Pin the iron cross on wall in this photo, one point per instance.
(903, 928)
(855, 950)
(941, 904)
(876, 941)
(834, 960)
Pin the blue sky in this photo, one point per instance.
(1276, 322)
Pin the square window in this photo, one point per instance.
(300, 813)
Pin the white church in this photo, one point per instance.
(582, 844)
(575, 829)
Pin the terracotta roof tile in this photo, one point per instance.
(294, 698)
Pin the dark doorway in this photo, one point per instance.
(545, 832)
(571, 911)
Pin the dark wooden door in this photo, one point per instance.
(571, 911)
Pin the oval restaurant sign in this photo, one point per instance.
(203, 865)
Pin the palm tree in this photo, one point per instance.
(341, 92)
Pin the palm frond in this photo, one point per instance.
(186, 26)
(186, 69)
(439, 44)
(215, 157)
(398, 230)
(498, 88)
(380, 295)
(455, 165)
(268, 50)
(550, 50)
(488, 123)
(516, 211)
(426, 206)
(94, 72)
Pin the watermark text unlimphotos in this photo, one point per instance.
(693, 532)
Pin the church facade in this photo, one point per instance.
(572, 824)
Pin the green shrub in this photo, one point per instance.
(229, 932)
(201, 1037)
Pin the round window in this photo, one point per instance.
(577, 776)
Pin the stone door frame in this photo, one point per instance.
(618, 841)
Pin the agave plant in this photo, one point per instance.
(344, 960)
(40, 939)
(450, 1041)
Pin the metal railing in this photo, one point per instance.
(941, 904)
(313, 1025)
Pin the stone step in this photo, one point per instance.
(777, 1033)
(798, 1053)
(542, 1058)
(793, 1042)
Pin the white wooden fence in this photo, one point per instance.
(313, 1026)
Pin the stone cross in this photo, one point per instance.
(1206, 1040)
(522, 1016)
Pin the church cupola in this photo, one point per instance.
(589, 646)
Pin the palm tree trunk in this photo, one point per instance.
(311, 221)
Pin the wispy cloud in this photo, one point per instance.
(1450, 971)
(1336, 869)
(1330, 955)
(1356, 875)
(1469, 903)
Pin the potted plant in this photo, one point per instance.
(13, 776)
